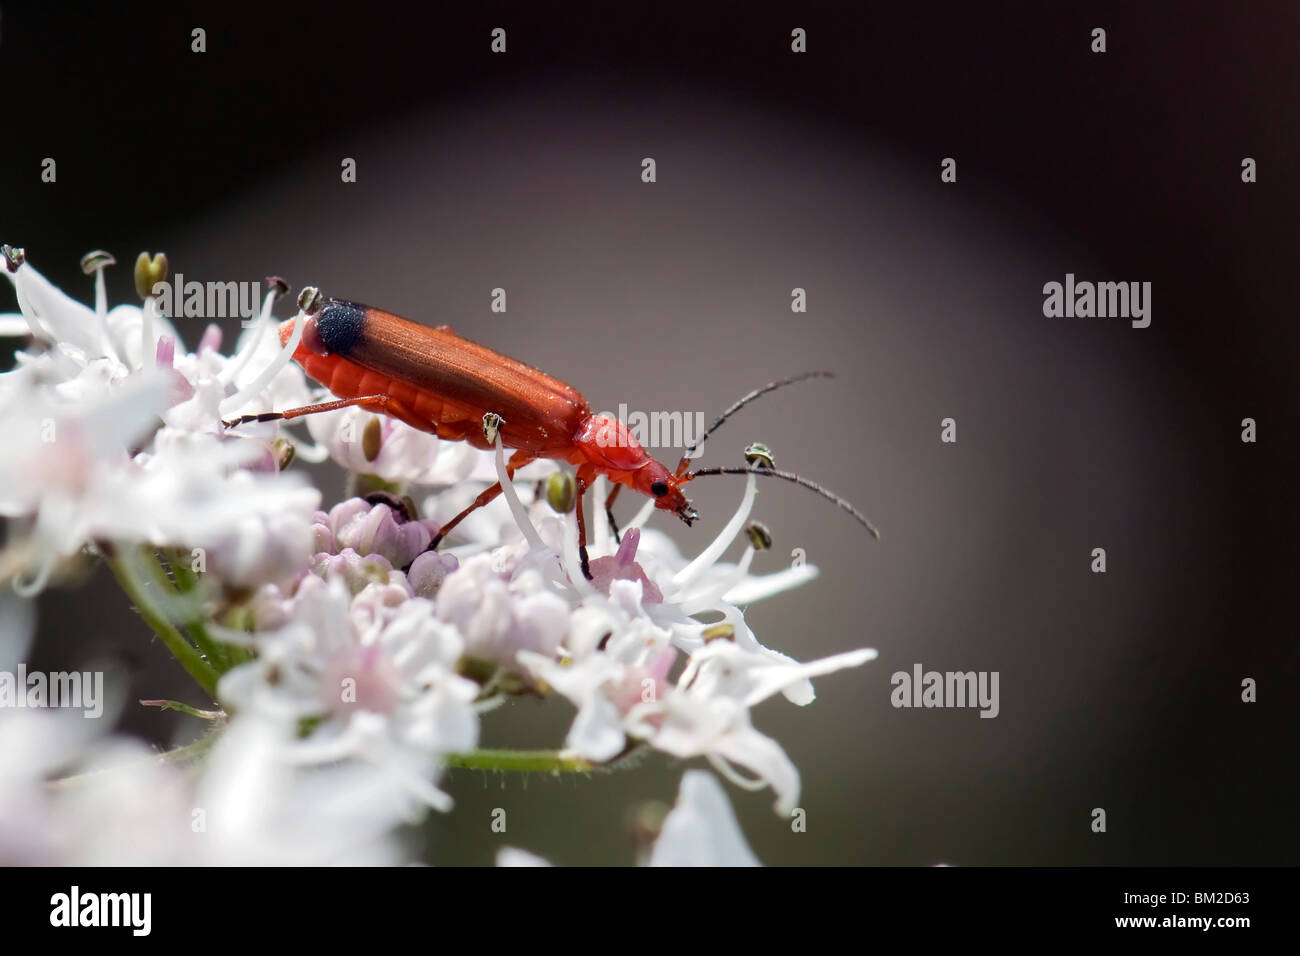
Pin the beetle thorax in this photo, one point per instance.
(609, 445)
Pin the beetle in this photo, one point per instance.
(437, 382)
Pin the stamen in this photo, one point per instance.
(237, 364)
(601, 536)
(146, 331)
(767, 585)
(34, 586)
(278, 287)
(728, 534)
(713, 595)
(148, 273)
(780, 677)
(311, 452)
(724, 768)
(270, 372)
(690, 671)
(96, 262)
(517, 509)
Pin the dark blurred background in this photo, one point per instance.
(821, 171)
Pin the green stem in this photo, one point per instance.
(187, 583)
(185, 653)
(195, 751)
(527, 761)
(184, 709)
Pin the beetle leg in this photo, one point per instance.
(517, 461)
(292, 413)
(609, 512)
(582, 528)
(483, 499)
(379, 404)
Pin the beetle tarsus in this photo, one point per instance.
(245, 419)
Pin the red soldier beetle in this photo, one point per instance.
(439, 383)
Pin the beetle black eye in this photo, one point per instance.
(659, 488)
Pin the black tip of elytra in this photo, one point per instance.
(340, 325)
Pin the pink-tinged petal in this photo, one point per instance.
(622, 566)
(360, 678)
(165, 354)
(181, 389)
(211, 341)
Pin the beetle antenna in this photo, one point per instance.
(789, 476)
(692, 451)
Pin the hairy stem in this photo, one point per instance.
(541, 761)
(187, 583)
(185, 653)
(527, 761)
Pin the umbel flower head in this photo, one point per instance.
(333, 639)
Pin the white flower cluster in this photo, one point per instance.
(349, 660)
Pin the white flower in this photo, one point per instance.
(72, 797)
(108, 816)
(270, 802)
(499, 618)
(707, 714)
(63, 460)
(75, 416)
(376, 669)
(619, 682)
(254, 801)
